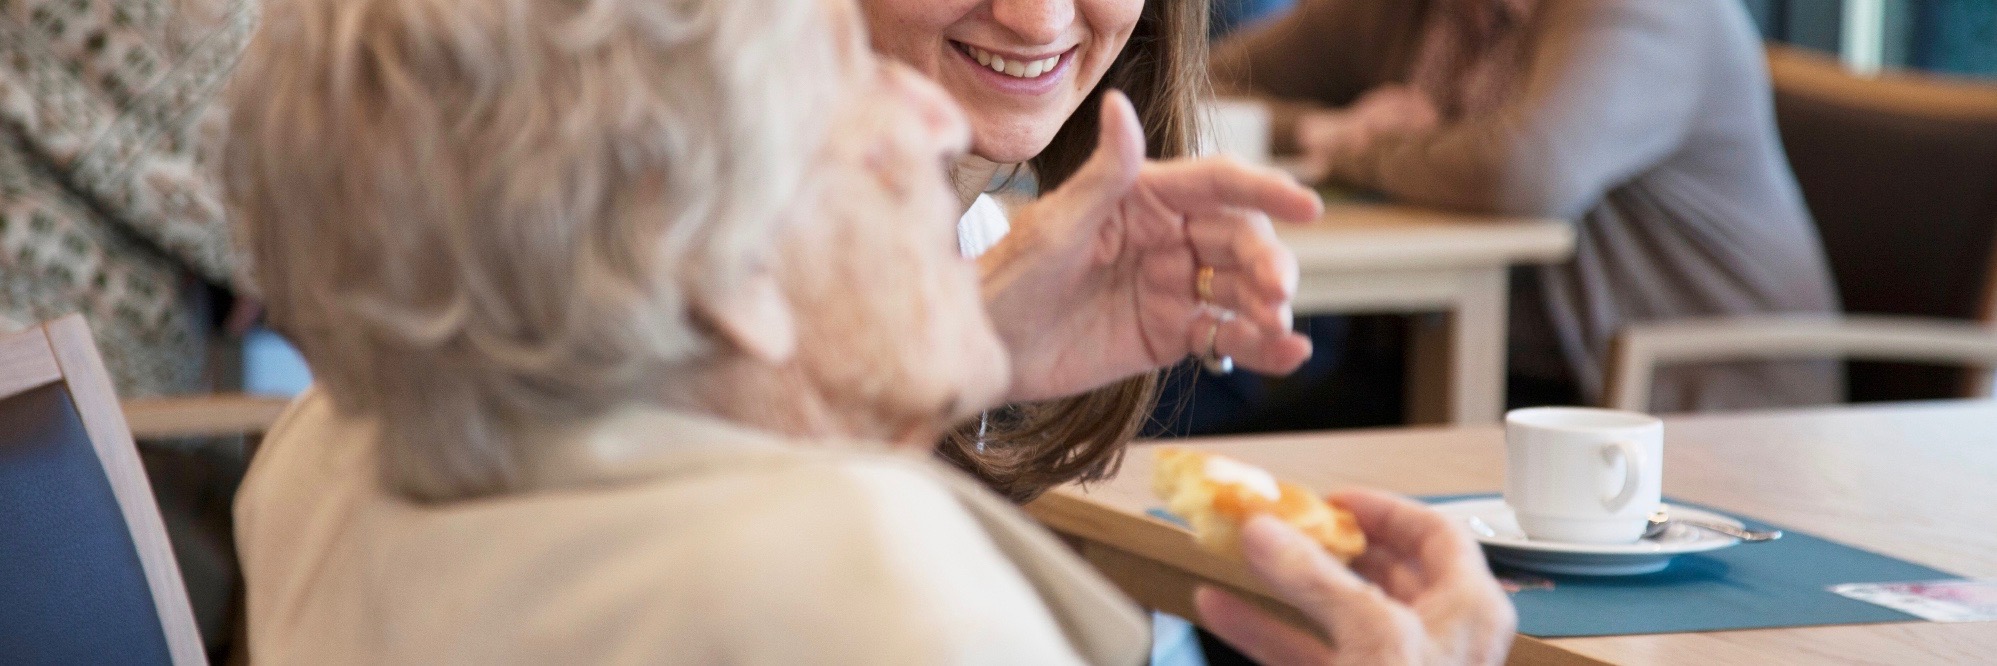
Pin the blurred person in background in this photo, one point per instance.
(1650, 124)
(636, 326)
(109, 207)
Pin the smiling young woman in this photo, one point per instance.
(1038, 446)
(1032, 76)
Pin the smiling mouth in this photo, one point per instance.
(1019, 69)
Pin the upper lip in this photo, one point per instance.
(1015, 55)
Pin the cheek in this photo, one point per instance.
(962, 359)
(985, 370)
(1110, 19)
(912, 31)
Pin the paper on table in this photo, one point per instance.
(1936, 601)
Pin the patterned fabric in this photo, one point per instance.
(106, 207)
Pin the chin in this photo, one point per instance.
(1012, 139)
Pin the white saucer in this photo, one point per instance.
(1506, 544)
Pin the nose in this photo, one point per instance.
(1036, 21)
(937, 110)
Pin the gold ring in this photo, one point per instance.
(1203, 284)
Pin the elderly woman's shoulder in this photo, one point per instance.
(862, 505)
(871, 554)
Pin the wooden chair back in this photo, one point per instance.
(1900, 172)
(86, 572)
(218, 415)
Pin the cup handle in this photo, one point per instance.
(1632, 473)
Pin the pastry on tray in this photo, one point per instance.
(1216, 494)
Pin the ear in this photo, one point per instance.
(755, 317)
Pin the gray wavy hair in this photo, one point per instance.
(471, 214)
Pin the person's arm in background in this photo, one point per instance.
(1613, 90)
(1299, 62)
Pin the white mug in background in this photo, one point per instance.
(1582, 475)
(1235, 127)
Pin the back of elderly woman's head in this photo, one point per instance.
(474, 214)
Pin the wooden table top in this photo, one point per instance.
(1371, 236)
(1916, 481)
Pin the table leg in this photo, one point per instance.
(1456, 361)
(1427, 389)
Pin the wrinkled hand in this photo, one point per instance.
(1095, 282)
(1431, 600)
(1326, 137)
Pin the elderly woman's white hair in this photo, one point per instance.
(475, 214)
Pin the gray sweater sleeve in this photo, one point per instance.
(1611, 89)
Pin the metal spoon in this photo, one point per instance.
(1661, 520)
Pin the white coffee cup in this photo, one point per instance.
(1583, 475)
(1235, 127)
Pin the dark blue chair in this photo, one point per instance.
(87, 575)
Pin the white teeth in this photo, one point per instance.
(1024, 70)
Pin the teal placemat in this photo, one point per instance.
(1782, 583)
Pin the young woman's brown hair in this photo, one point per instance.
(1022, 450)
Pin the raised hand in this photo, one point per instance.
(1096, 281)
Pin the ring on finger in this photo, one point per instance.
(1203, 284)
(1213, 360)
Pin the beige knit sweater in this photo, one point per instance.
(650, 536)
